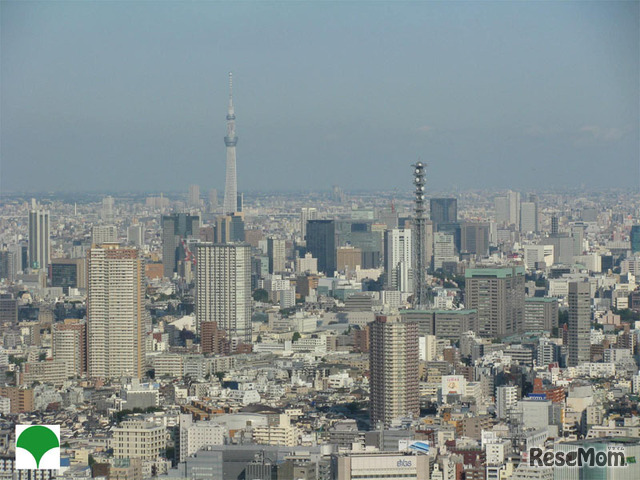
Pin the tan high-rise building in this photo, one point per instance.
(498, 296)
(348, 258)
(579, 323)
(21, 399)
(138, 439)
(393, 362)
(115, 312)
(70, 346)
(212, 339)
(223, 288)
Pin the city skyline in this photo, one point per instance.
(536, 95)
(425, 265)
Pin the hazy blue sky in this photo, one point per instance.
(132, 95)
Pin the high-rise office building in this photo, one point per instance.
(389, 217)
(428, 243)
(277, 253)
(502, 210)
(213, 200)
(176, 228)
(363, 235)
(348, 258)
(529, 217)
(223, 288)
(554, 225)
(635, 238)
(135, 235)
(474, 238)
(306, 214)
(548, 352)
(508, 209)
(577, 233)
(444, 249)
(498, 296)
(398, 259)
(104, 234)
(20, 254)
(231, 184)
(230, 228)
(39, 238)
(194, 196)
(514, 208)
(116, 315)
(563, 247)
(540, 314)
(579, 322)
(7, 265)
(536, 255)
(240, 202)
(8, 310)
(444, 210)
(68, 273)
(321, 242)
(107, 212)
(393, 362)
(506, 400)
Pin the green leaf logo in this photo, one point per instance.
(37, 440)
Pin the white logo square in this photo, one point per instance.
(37, 447)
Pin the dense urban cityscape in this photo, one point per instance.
(422, 332)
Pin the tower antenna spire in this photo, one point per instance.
(419, 277)
(231, 187)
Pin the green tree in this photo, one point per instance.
(261, 295)
(16, 360)
(296, 337)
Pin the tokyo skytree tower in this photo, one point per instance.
(231, 182)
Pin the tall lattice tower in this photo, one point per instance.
(419, 264)
(231, 184)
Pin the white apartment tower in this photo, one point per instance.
(277, 253)
(223, 288)
(115, 312)
(398, 259)
(506, 399)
